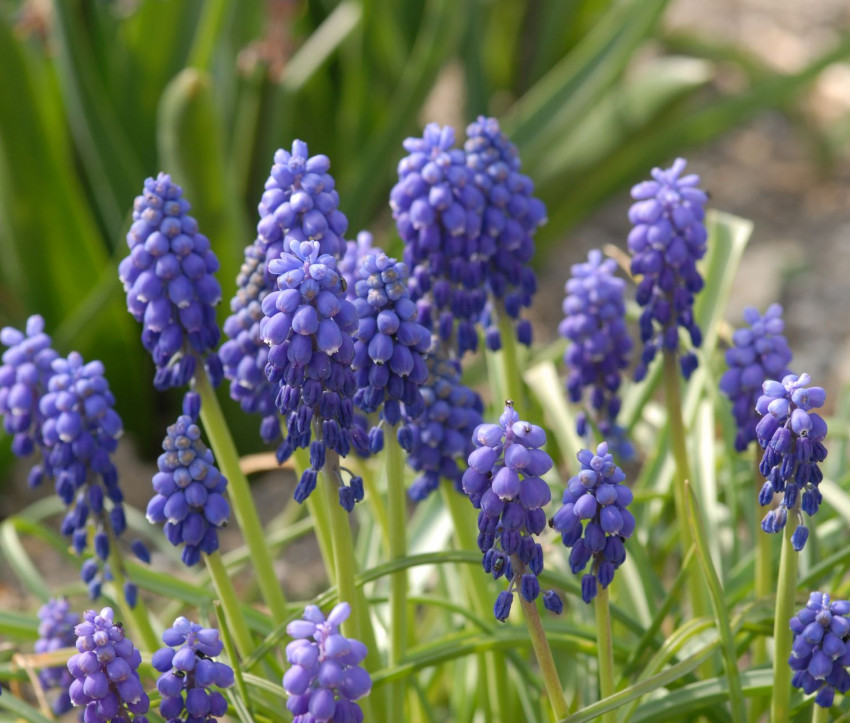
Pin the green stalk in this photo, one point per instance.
(508, 356)
(542, 651)
(230, 603)
(319, 512)
(820, 715)
(673, 400)
(780, 704)
(396, 503)
(604, 650)
(240, 495)
(764, 588)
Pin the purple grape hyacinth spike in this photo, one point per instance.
(594, 520)
(504, 481)
(600, 346)
(188, 492)
(56, 631)
(105, 671)
(189, 671)
(791, 435)
(354, 252)
(325, 678)
(438, 214)
(510, 218)
(759, 351)
(170, 284)
(667, 239)
(820, 653)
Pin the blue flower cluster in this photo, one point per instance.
(600, 347)
(594, 520)
(354, 251)
(189, 492)
(667, 240)
(308, 325)
(105, 670)
(442, 434)
(821, 650)
(170, 285)
(56, 631)
(759, 352)
(791, 435)
(510, 217)
(389, 354)
(325, 678)
(24, 373)
(438, 213)
(188, 673)
(504, 482)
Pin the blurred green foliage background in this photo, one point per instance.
(97, 95)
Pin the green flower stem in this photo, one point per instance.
(230, 603)
(397, 508)
(673, 399)
(820, 715)
(319, 512)
(786, 593)
(509, 360)
(240, 495)
(463, 522)
(604, 650)
(764, 572)
(543, 652)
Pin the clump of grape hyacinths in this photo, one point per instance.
(188, 671)
(442, 434)
(299, 203)
(510, 217)
(325, 678)
(504, 482)
(791, 435)
(106, 679)
(666, 242)
(600, 345)
(354, 252)
(758, 352)
(820, 654)
(24, 373)
(308, 325)
(170, 285)
(189, 492)
(56, 631)
(437, 210)
(594, 520)
(389, 354)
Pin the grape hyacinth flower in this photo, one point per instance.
(56, 631)
(390, 347)
(24, 373)
(354, 252)
(442, 434)
(594, 520)
(791, 435)
(438, 213)
(170, 285)
(325, 678)
(820, 654)
(504, 482)
(510, 218)
(188, 671)
(189, 492)
(308, 325)
(600, 345)
(667, 240)
(759, 352)
(106, 679)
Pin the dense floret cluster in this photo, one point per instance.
(56, 631)
(170, 284)
(759, 352)
(189, 492)
(510, 217)
(504, 482)
(791, 435)
(325, 678)
(105, 670)
(354, 252)
(666, 242)
(594, 520)
(820, 654)
(188, 671)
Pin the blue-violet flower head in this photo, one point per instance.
(56, 631)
